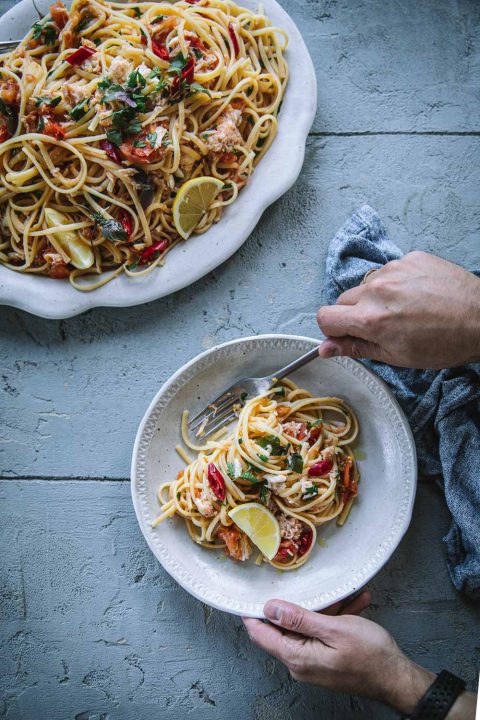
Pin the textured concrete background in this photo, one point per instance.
(91, 627)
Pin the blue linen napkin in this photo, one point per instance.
(443, 407)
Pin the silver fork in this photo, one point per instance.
(221, 411)
(6, 45)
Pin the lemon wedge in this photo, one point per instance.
(67, 243)
(192, 202)
(260, 525)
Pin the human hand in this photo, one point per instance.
(419, 312)
(340, 651)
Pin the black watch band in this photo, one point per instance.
(439, 698)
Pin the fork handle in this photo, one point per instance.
(296, 364)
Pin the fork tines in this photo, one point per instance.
(218, 413)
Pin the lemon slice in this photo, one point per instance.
(192, 202)
(260, 525)
(66, 242)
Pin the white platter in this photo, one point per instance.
(352, 555)
(189, 261)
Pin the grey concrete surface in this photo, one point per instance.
(91, 628)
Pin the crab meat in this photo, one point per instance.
(205, 502)
(290, 528)
(226, 135)
(275, 483)
(237, 544)
(119, 70)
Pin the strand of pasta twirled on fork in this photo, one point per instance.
(288, 450)
(151, 96)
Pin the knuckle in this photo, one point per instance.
(393, 265)
(322, 316)
(416, 255)
(295, 620)
(357, 351)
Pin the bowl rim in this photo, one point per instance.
(201, 254)
(254, 609)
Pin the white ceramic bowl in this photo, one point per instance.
(200, 254)
(352, 554)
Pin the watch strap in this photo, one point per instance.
(439, 698)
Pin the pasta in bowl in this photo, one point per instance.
(285, 452)
(342, 557)
(124, 128)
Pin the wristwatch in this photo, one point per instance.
(439, 698)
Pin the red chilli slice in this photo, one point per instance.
(188, 71)
(111, 151)
(80, 55)
(149, 253)
(216, 481)
(160, 51)
(320, 468)
(234, 38)
(305, 541)
(126, 222)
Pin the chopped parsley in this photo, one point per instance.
(152, 138)
(46, 31)
(263, 458)
(133, 265)
(248, 475)
(139, 143)
(41, 124)
(111, 229)
(179, 495)
(177, 65)
(198, 53)
(197, 88)
(311, 491)
(263, 495)
(137, 12)
(295, 462)
(274, 442)
(231, 470)
(158, 19)
(52, 102)
(84, 22)
(317, 423)
(280, 391)
(131, 100)
(79, 110)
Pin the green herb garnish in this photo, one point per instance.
(295, 462)
(231, 470)
(111, 229)
(274, 442)
(79, 110)
(152, 138)
(197, 88)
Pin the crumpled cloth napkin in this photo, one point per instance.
(443, 407)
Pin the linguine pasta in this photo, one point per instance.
(108, 109)
(289, 451)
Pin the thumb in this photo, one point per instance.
(351, 347)
(297, 619)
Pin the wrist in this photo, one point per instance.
(408, 686)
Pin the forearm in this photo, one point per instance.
(464, 707)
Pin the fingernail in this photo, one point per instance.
(329, 350)
(272, 611)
